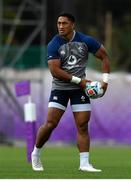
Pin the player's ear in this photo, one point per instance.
(73, 26)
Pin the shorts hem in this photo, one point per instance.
(56, 105)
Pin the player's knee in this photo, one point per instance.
(51, 125)
(83, 128)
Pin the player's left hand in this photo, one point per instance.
(104, 87)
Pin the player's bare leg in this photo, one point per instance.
(83, 140)
(44, 132)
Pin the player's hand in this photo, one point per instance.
(83, 83)
(104, 87)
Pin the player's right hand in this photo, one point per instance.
(83, 83)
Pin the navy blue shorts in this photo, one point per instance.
(78, 99)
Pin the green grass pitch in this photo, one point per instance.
(63, 163)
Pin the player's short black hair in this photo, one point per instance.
(68, 15)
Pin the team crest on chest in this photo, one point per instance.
(72, 60)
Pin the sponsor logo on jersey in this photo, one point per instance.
(71, 63)
(72, 60)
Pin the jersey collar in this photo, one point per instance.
(74, 33)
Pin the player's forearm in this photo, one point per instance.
(105, 65)
(103, 56)
(61, 74)
(58, 72)
(106, 71)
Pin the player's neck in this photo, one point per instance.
(70, 36)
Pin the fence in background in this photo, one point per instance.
(110, 120)
(33, 57)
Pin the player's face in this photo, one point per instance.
(65, 26)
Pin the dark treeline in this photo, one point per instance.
(107, 20)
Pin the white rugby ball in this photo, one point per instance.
(93, 89)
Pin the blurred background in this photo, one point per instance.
(26, 26)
